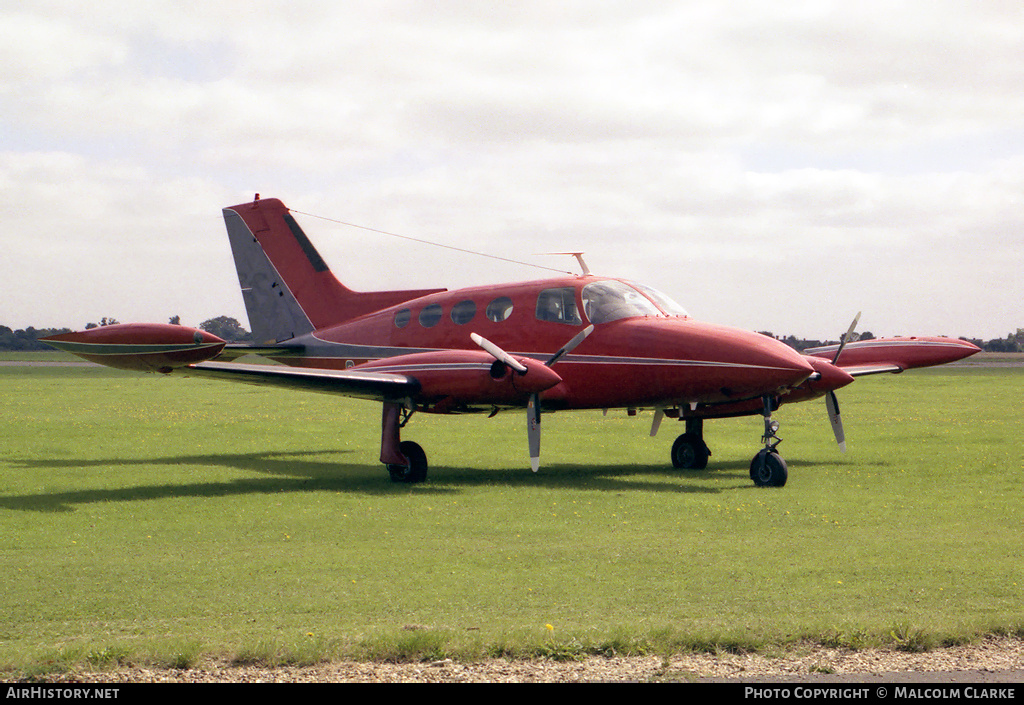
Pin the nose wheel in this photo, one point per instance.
(768, 469)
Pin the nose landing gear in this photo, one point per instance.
(768, 469)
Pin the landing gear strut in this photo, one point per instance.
(768, 469)
(405, 460)
(690, 452)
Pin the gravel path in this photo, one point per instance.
(991, 660)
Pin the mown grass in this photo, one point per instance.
(164, 520)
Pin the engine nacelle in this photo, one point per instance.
(468, 376)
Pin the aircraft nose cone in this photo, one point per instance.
(790, 364)
(771, 353)
(760, 364)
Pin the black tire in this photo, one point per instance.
(415, 470)
(689, 452)
(768, 469)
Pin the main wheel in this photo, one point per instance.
(415, 470)
(768, 469)
(689, 452)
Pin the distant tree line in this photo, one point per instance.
(27, 339)
(802, 344)
(224, 327)
(1013, 342)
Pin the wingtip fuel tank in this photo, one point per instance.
(141, 347)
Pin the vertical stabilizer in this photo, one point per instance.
(287, 287)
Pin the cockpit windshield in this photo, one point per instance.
(607, 301)
(666, 304)
(611, 300)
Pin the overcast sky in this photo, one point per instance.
(774, 166)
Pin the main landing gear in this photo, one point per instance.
(405, 460)
(690, 452)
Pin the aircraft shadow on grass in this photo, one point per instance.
(308, 471)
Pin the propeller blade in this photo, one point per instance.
(832, 404)
(533, 406)
(846, 338)
(568, 347)
(498, 354)
(533, 430)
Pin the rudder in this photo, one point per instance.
(287, 287)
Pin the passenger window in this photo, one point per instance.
(499, 310)
(559, 306)
(430, 315)
(463, 312)
(402, 318)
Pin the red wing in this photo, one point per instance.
(441, 380)
(867, 357)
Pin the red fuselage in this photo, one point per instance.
(657, 360)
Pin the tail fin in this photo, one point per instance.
(287, 287)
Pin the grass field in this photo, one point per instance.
(161, 519)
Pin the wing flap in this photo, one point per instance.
(377, 386)
(233, 352)
(862, 370)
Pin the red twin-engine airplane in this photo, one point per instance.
(574, 342)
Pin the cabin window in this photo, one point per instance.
(402, 318)
(430, 315)
(611, 300)
(463, 312)
(499, 310)
(558, 306)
